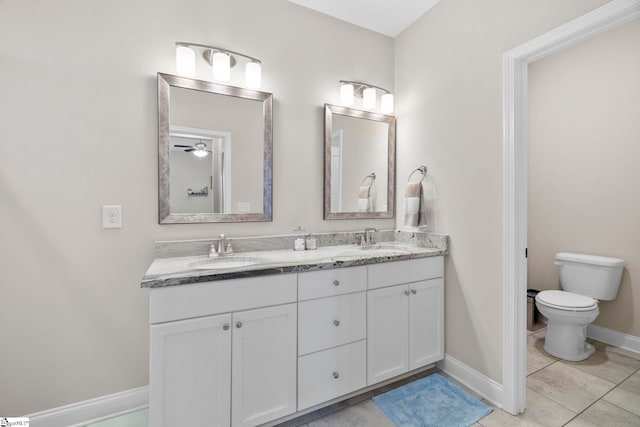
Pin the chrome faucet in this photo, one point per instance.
(224, 248)
(221, 245)
(367, 238)
(213, 252)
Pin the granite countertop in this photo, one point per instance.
(167, 270)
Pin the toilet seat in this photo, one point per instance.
(567, 301)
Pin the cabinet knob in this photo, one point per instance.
(238, 324)
(225, 327)
(406, 293)
(413, 291)
(336, 375)
(336, 322)
(336, 283)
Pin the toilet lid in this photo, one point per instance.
(565, 299)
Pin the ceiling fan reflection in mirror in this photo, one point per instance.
(199, 149)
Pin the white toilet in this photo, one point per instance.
(585, 279)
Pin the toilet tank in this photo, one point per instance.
(590, 275)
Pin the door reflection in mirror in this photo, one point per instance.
(199, 158)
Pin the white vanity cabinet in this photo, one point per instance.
(250, 351)
(231, 369)
(405, 317)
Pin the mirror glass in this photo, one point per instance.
(215, 151)
(359, 169)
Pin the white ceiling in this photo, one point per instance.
(389, 17)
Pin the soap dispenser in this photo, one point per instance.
(298, 244)
(310, 242)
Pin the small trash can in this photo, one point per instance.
(534, 318)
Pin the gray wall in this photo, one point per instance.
(583, 164)
(78, 129)
(449, 107)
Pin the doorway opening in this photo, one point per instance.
(515, 136)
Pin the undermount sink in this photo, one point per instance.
(221, 263)
(383, 246)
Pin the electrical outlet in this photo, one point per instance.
(112, 217)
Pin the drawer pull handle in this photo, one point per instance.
(336, 283)
(406, 293)
(413, 291)
(225, 327)
(239, 325)
(336, 322)
(336, 375)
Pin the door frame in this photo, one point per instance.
(515, 139)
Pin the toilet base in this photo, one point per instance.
(588, 351)
(567, 342)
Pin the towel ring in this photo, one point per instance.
(371, 176)
(422, 169)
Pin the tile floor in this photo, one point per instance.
(603, 390)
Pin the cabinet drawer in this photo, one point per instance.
(331, 373)
(329, 322)
(326, 283)
(399, 272)
(223, 296)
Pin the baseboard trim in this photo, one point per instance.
(92, 410)
(479, 383)
(615, 338)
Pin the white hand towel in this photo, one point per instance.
(364, 199)
(412, 198)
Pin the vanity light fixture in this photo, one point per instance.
(368, 93)
(185, 61)
(346, 95)
(369, 98)
(386, 103)
(220, 66)
(221, 61)
(253, 75)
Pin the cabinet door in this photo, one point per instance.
(189, 374)
(426, 322)
(387, 333)
(264, 365)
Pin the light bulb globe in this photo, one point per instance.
(253, 75)
(221, 66)
(185, 61)
(346, 95)
(386, 103)
(369, 98)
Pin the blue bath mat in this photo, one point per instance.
(431, 402)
